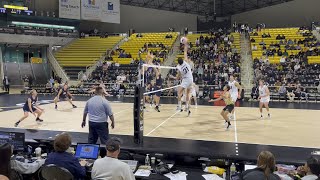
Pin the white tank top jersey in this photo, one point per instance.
(233, 87)
(191, 66)
(185, 70)
(263, 90)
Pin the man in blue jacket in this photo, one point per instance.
(64, 159)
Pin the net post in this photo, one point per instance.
(138, 115)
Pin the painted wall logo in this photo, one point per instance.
(110, 6)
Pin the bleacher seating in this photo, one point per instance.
(293, 34)
(134, 44)
(84, 52)
(193, 37)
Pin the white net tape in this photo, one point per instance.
(160, 67)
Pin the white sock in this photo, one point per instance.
(187, 105)
(179, 104)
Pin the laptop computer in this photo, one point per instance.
(87, 151)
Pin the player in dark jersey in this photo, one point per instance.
(158, 86)
(31, 106)
(64, 94)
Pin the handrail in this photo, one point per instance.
(32, 71)
(56, 66)
(91, 68)
(1, 67)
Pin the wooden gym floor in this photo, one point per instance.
(287, 127)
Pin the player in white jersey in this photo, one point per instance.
(264, 97)
(235, 91)
(193, 95)
(185, 74)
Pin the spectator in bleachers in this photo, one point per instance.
(48, 87)
(283, 92)
(262, 43)
(255, 92)
(64, 159)
(290, 92)
(110, 167)
(266, 166)
(51, 80)
(311, 169)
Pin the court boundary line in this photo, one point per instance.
(235, 128)
(162, 123)
(122, 111)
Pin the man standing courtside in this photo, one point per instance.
(6, 83)
(99, 110)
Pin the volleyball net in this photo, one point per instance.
(145, 81)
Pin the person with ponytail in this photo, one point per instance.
(265, 167)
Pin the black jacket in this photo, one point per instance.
(257, 174)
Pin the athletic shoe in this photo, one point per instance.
(74, 106)
(179, 108)
(261, 117)
(56, 106)
(157, 108)
(196, 106)
(269, 116)
(39, 120)
(16, 124)
(189, 112)
(229, 124)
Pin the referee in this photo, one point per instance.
(99, 110)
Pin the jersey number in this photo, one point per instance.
(185, 70)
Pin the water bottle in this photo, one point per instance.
(147, 160)
(232, 169)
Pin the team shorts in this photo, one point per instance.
(186, 83)
(26, 109)
(234, 97)
(265, 99)
(229, 108)
(159, 92)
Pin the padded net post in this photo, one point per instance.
(138, 115)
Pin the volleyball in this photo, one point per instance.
(183, 40)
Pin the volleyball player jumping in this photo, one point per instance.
(235, 91)
(185, 74)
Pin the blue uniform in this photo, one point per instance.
(64, 94)
(158, 85)
(33, 103)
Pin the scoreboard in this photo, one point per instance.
(20, 10)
